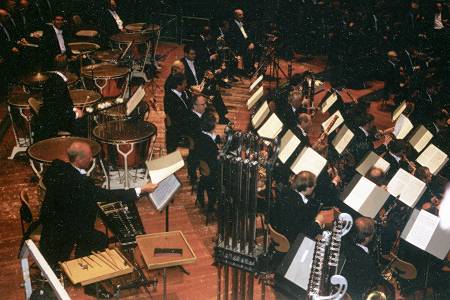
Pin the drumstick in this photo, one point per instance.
(84, 103)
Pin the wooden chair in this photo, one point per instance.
(279, 242)
(26, 218)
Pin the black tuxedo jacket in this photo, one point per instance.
(360, 144)
(178, 112)
(50, 46)
(7, 42)
(237, 40)
(287, 115)
(189, 75)
(394, 165)
(107, 25)
(206, 149)
(203, 50)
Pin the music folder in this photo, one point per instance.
(342, 139)
(328, 102)
(160, 168)
(135, 99)
(372, 160)
(260, 115)
(424, 231)
(433, 158)
(398, 111)
(289, 142)
(165, 191)
(271, 128)
(364, 196)
(336, 124)
(255, 97)
(406, 187)
(402, 127)
(255, 83)
(420, 138)
(309, 160)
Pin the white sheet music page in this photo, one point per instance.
(309, 160)
(328, 102)
(338, 122)
(260, 115)
(164, 192)
(135, 99)
(255, 97)
(255, 83)
(342, 139)
(300, 267)
(359, 193)
(406, 187)
(271, 128)
(162, 167)
(422, 230)
(402, 127)
(398, 111)
(372, 160)
(289, 142)
(421, 138)
(433, 158)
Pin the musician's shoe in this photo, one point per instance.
(102, 293)
(224, 120)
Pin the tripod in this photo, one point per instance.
(270, 60)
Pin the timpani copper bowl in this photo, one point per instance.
(110, 80)
(138, 42)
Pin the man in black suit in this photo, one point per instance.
(55, 51)
(9, 48)
(241, 41)
(360, 268)
(192, 69)
(288, 111)
(295, 212)
(109, 21)
(362, 142)
(204, 49)
(394, 156)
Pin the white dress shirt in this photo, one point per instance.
(363, 247)
(179, 94)
(197, 113)
(59, 36)
(304, 199)
(117, 18)
(192, 67)
(363, 130)
(241, 27)
(438, 25)
(212, 135)
(397, 158)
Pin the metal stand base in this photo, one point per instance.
(16, 150)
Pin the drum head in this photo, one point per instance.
(81, 97)
(104, 70)
(35, 79)
(124, 37)
(135, 27)
(83, 47)
(107, 55)
(119, 112)
(71, 78)
(123, 132)
(21, 99)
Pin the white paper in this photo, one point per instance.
(309, 160)
(342, 139)
(421, 138)
(160, 168)
(406, 187)
(271, 128)
(361, 190)
(260, 115)
(336, 124)
(255, 97)
(135, 99)
(422, 230)
(255, 83)
(433, 158)
(300, 267)
(164, 192)
(402, 127)
(372, 160)
(328, 103)
(398, 111)
(289, 142)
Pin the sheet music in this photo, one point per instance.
(255, 97)
(309, 160)
(433, 158)
(300, 268)
(372, 160)
(289, 142)
(255, 83)
(135, 99)
(164, 192)
(398, 111)
(328, 102)
(271, 128)
(260, 115)
(338, 122)
(406, 187)
(162, 167)
(342, 139)
(402, 127)
(421, 232)
(421, 138)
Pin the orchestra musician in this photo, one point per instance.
(241, 41)
(109, 21)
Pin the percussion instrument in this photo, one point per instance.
(82, 98)
(118, 113)
(151, 29)
(126, 144)
(87, 33)
(83, 47)
(109, 56)
(42, 153)
(139, 43)
(109, 79)
(72, 79)
(34, 82)
(20, 114)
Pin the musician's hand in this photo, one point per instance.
(214, 57)
(336, 180)
(60, 58)
(78, 113)
(123, 30)
(387, 139)
(251, 46)
(148, 187)
(15, 50)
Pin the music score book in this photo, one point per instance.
(372, 160)
(299, 269)
(260, 115)
(336, 124)
(289, 142)
(135, 99)
(255, 83)
(398, 111)
(420, 139)
(342, 139)
(406, 187)
(255, 97)
(271, 128)
(402, 127)
(433, 158)
(328, 102)
(423, 230)
(165, 191)
(160, 168)
(308, 160)
(364, 196)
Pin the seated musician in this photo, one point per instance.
(55, 51)
(9, 39)
(241, 41)
(69, 210)
(295, 211)
(288, 112)
(176, 67)
(395, 156)
(57, 112)
(210, 89)
(362, 142)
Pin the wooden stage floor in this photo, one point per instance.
(16, 175)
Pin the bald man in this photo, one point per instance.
(241, 41)
(69, 210)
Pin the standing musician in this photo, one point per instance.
(241, 41)
(69, 209)
(109, 21)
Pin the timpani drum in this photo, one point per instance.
(139, 43)
(72, 79)
(118, 113)
(20, 114)
(34, 82)
(83, 98)
(107, 56)
(126, 145)
(111, 80)
(83, 47)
